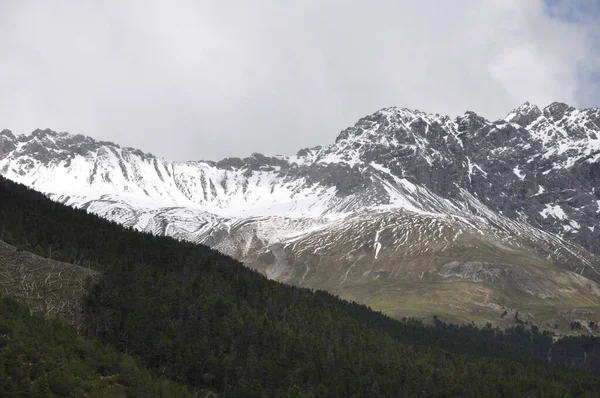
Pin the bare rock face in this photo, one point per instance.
(404, 207)
(51, 288)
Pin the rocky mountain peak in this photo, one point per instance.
(306, 152)
(470, 121)
(525, 114)
(7, 142)
(557, 110)
(39, 133)
(7, 133)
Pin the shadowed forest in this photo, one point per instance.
(198, 319)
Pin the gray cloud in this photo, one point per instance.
(209, 79)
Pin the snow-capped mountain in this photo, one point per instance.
(402, 211)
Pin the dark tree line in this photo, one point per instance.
(201, 318)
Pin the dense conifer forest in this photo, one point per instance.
(40, 358)
(202, 319)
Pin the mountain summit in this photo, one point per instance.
(410, 212)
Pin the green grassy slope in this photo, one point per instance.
(406, 265)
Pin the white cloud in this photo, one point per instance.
(207, 79)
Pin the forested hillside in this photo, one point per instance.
(46, 359)
(202, 318)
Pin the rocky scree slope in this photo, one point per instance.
(48, 287)
(412, 213)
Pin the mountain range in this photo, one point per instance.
(414, 214)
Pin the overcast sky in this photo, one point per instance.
(196, 79)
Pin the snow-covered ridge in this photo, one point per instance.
(402, 196)
(396, 158)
